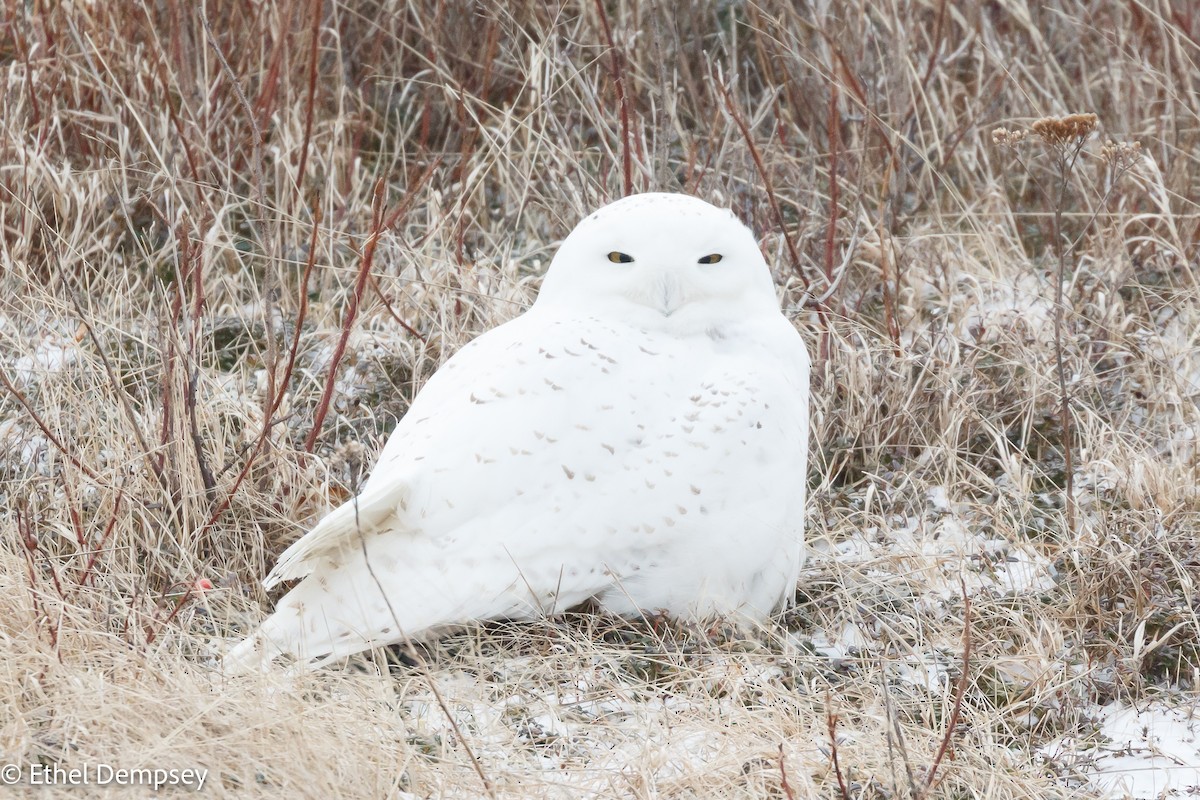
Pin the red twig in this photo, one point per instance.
(301, 314)
(783, 780)
(833, 131)
(936, 45)
(196, 272)
(314, 40)
(959, 691)
(152, 633)
(379, 226)
(765, 177)
(269, 83)
(54, 440)
(360, 283)
(73, 513)
(622, 101)
(277, 400)
(166, 430)
(30, 549)
(86, 573)
(831, 723)
(31, 544)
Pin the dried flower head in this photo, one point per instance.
(1121, 155)
(348, 459)
(1003, 137)
(1065, 132)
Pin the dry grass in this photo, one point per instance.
(194, 225)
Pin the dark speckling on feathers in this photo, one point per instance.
(637, 438)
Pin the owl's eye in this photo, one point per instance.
(711, 258)
(619, 258)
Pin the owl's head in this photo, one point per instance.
(662, 260)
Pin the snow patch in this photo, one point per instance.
(1142, 753)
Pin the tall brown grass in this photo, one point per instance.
(233, 245)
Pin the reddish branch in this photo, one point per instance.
(85, 574)
(314, 39)
(274, 402)
(618, 77)
(765, 177)
(379, 226)
(360, 283)
(833, 131)
(54, 440)
(783, 779)
(29, 540)
(831, 725)
(959, 690)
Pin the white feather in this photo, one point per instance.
(639, 445)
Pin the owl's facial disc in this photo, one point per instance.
(673, 257)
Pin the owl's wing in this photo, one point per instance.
(364, 513)
(451, 411)
(552, 460)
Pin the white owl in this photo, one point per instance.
(638, 438)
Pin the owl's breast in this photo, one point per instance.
(588, 418)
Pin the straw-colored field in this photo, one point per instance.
(232, 248)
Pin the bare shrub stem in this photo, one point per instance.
(960, 690)
(765, 175)
(618, 78)
(1059, 357)
(783, 777)
(831, 721)
(256, 145)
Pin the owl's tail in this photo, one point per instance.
(311, 635)
(402, 587)
(333, 615)
(337, 612)
(256, 652)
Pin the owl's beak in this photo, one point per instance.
(668, 294)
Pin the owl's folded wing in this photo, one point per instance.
(361, 515)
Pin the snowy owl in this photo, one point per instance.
(637, 438)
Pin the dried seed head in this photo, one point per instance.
(1121, 155)
(1003, 137)
(347, 458)
(1068, 131)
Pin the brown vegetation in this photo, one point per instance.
(232, 247)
